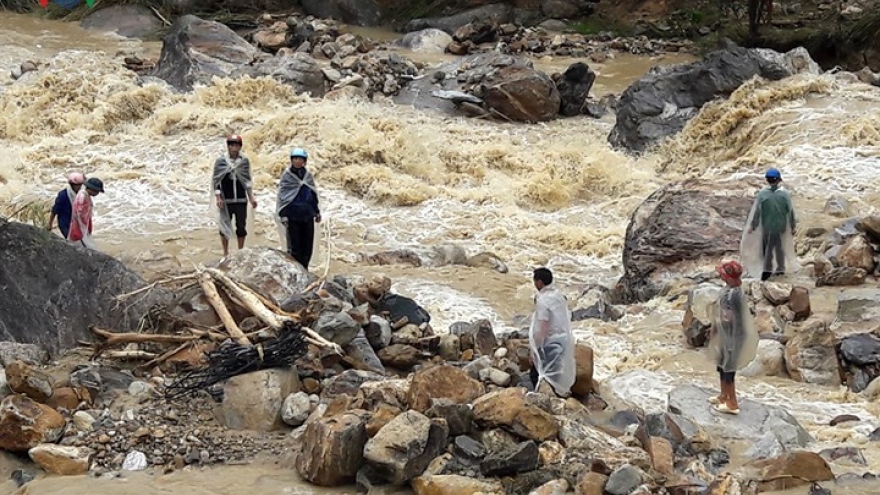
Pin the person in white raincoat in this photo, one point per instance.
(297, 207)
(733, 340)
(232, 186)
(82, 212)
(550, 338)
(767, 245)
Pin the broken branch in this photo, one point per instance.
(216, 302)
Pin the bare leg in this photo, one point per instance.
(225, 242)
(241, 243)
(731, 396)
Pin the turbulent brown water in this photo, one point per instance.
(551, 194)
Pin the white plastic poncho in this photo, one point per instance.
(553, 353)
(240, 168)
(734, 339)
(769, 247)
(288, 188)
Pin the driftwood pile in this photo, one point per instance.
(172, 335)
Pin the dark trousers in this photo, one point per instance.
(726, 376)
(301, 240)
(239, 212)
(771, 242)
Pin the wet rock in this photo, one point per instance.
(752, 424)
(662, 456)
(64, 461)
(522, 94)
(87, 378)
(362, 354)
(134, 461)
(837, 206)
(24, 424)
(485, 342)
(333, 449)
(274, 273)
(860, 359)
(810, 354)
(769, 361)
(195, 50)
(459, 417)
(391, 392)
(131, 21)
(83, 421)
(356, 12)
(623, 481)
(591, 483)
(583, 383)
(856, 253)
(858, 305)
(662, 102)
(680, 232)
(454, 485)
(337, 327)
(775, 292)
(799, 302)
(442, 382)
(870, 226)
(467, 448)
(551, 452)
(842, 276)
(851, 455)
(577, 435)
(21, 477)
(298, 70)
(382, 415)
(424, 439)
(31, 284)
(32, 354)
(450, 347)
(347, 383)
(271, 38)
(522, 458)
(253, 401)
(670, 427)
(400, 356)
(30, 381)
(792, 470)
(378, 332)
(492, 13)
(595, 302)
(429, 40)
(507, 408)
(66, 398)
(574, 88)
(296, 409)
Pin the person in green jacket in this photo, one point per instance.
(768, 243)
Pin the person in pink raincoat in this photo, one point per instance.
(81, 221)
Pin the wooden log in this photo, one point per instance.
(112, 338)
(216, 302)
(130, 355)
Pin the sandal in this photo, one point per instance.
(713, 400)
(722, 408)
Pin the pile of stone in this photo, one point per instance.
(847, 255)
(510, 38)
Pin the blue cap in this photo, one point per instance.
(299, 152)
(773, 174)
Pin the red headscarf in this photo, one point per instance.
(731, 272)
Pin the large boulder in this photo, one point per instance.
(253, 401)
(357, 12)
(574, 88)
(660, 104)
(512, 410)
(52, 291)
(62, 460)
(404, 447)
(811, 355)
(196, 50)
(522, 94)
(131, 20)
(332, 449)
(24, 424)
(442, 382)
(271, 272)
(680, 232)
(860, 359)
(430, 40)
(496, 13)
(756, 423)
(298, 70)
(858, 305)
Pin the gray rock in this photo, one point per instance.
(662, 102)
(378, 332)
(492, 13)
(467, 448)
(522, 458)
(53, 304)
(28, 353)
(196, 50)
(89, 378)
(253, 401)
(424, 439)
(574, 88)
(457, 97)
(362, 352)
(298, 70)
(752, 424)
(348, 382)
(22, 477)
(474, 368)
(858, 305)
(837, 206)
(595, 302)
(429, 40)
(459, 417)
(296, 409)
(356, 12)
(860, 358)
(337, 327)
(623, 481)
(131, 21)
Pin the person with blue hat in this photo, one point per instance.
(768, 242)
(297, 207)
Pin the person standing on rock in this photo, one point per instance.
(768, 241)
(82, 212)
(550, 338)
(63, 207)
(232, 187)
(297, 207)
(733, 340)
